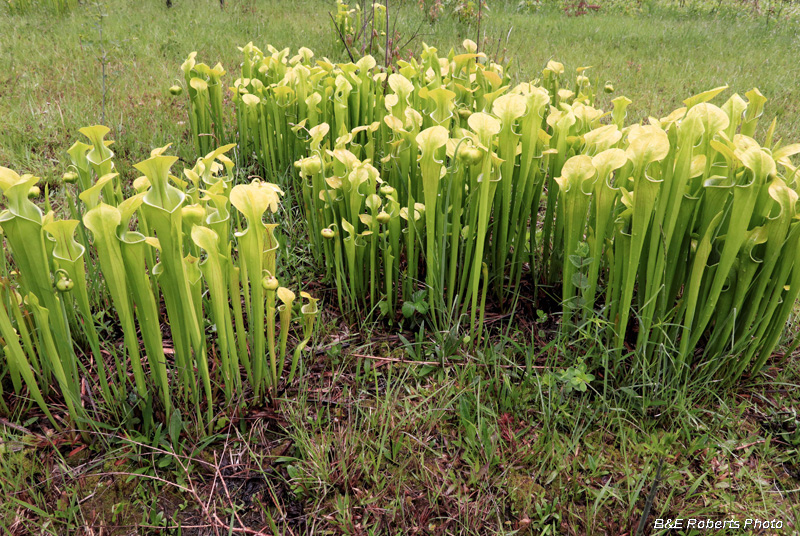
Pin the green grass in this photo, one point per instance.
(383, 447)
(51, 78)
(374, 442)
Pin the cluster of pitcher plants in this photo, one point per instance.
(353, 116)
(198, 310)
(445, 177)
(437, 184)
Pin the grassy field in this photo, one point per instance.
(52, 82)
(401, 434)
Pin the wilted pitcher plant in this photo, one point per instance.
(175, 266)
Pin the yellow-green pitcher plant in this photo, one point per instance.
(168, 255)
(673, 233)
